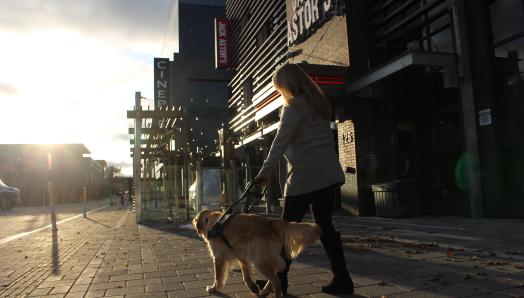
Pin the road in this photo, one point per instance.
(22, 220)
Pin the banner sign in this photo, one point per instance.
(161, 76)
(221, 43)
(305, 16)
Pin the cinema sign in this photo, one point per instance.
(305, 16)
(161, 77)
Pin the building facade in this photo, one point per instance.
(426, 94)
(30, 167)
(195, 84)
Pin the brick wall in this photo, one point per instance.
(348, 160)
(366, 152)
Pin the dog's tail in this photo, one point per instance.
(299, 235)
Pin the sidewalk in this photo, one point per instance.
(108, 255)
(25, 219)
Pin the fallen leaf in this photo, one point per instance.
(451, 252)
(496, 263)
(438, 278)
(481, 273)
(519, 266)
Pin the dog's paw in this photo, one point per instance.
(211, 289)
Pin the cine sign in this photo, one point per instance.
(161, 75)
(221, 44)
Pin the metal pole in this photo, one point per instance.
(474, 190)
(186, 164)
(233, 193)
(136, 159)
(199, 187)
(85, 201)
(52, 206)
(177, 186)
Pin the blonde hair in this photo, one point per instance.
(291, 80)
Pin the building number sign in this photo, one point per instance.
(348, 138)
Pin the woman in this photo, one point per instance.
(305, 139)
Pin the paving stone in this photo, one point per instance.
(83, 281)
(59, 290)
(193, 271)
(181, 278)
(79, 288)
(75, 295)
(164, 287)
(378, 290)
(124, 291)
(40, 292)
(58, 283)
(187, 293)
(144, 282)
(125, 277)
(149, 295)
(107, 285)
(117, 262)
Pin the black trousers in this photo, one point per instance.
(320, 202)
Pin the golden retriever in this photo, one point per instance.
(254, 239)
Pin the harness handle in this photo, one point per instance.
(218, 227)
(249, 185)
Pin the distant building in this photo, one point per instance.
(29, 167)
(194, 83)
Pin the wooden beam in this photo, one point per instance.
(150, 141)
(156, 114)
(147, 149)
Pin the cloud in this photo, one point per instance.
(8, 89)
(123, 164)
(121, 137)
(127, 20)
(77, 64)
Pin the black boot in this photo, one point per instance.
(281, 275)
(342, 282)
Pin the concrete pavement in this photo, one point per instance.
(26, 219)
(108, 255)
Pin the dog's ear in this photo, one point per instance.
(200, 221)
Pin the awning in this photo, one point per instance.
(410, 58)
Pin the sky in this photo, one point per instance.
(69, 70)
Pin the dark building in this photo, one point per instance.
(427, 94)
(195, 83)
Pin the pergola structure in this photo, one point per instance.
(161, 138)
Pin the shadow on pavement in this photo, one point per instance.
(173, 228)
(97, 222)
(218, 294)
(54, 252)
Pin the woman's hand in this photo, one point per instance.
(263, 180)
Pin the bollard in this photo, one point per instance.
(85, 201)
(52, 206)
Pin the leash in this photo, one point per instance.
(218, 227)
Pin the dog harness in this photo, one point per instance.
(217, 231)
